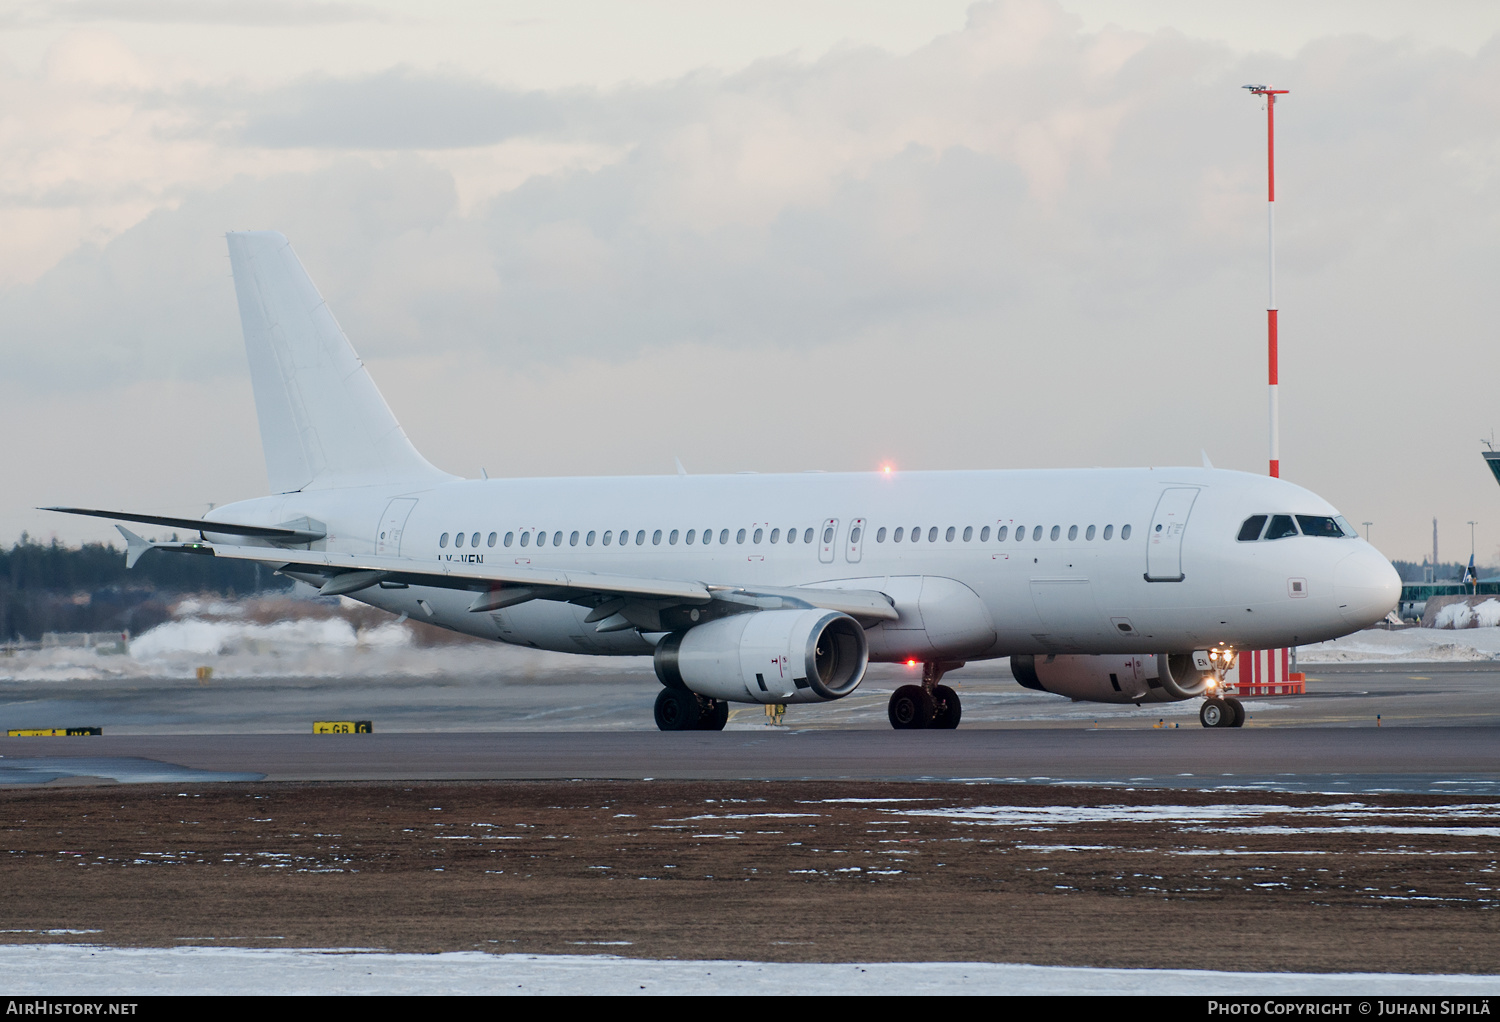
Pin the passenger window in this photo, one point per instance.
(474, 539)
(640, 537)
(608, 533)
(589, 539)
(932, 534)
(968, 533)
(880, 534)
(1250, 531)
(672, 538)
(1056, 531)
(458, 540)
(984, 534)
(1036, 534)
(828, 535)
(541, 537)
(692, 534)
(948, 536)
(739, 537)
(1072, 532)
(1020, 533)
(1090, 533)
(1109, 530)
(1124, 532)
(525, 538)
(724, 536)
(775, 535)
(1318, 525)
(557, 539)
(1281, 527)
(791, 535)
(896, 536)
(493, 536)
(1001, 533)
(807, 535)
(573, 539)
(854, 534)
(442, 541)
(656, 538)
(508, 537)
(758, 534)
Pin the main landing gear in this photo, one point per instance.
(928, 705)
(1222, 712)
(680, 710)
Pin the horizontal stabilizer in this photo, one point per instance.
(279, 534)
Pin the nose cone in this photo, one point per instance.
(1365, 587)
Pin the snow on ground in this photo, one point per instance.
(221, 636)
(1419, 645)
(81, 970)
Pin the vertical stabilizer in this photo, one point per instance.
(322, 422)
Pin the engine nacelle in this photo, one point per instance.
(767, 656)
(1123, 678)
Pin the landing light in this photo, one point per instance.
(911, 663)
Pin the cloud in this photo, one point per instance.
(256, 13)
(1021, 244)
(398, 109)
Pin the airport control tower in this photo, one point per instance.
(1492, 459)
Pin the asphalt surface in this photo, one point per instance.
(1433, 727)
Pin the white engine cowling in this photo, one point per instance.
(1123, 678)
(768, 656)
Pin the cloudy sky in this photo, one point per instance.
(585, 236)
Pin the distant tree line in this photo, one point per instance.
(56, 588)
(1451, 571)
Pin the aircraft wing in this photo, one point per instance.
(618, 601)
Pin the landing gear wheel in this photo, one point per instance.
(677, 711)
(1215, 713)
(911, 708)
(1239, 711)
(949, 709)
(714, 715)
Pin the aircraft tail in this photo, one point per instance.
(322, 422)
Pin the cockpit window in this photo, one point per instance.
(1281, 527)
(1319, 525)
(1250, 531)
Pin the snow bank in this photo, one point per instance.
(41, 969)
(1417, 645)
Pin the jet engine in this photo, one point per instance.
(768, 656)
(1154, 678)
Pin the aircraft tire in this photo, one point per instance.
(1215, 713)
(1239, 711)
(949, 708)
(911, 708)
(714, 714)
(677, 711)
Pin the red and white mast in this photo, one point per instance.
(1270, 95)
(1272, 352)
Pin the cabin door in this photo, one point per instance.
(392, 524)
(1164, 541)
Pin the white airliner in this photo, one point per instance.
(1108, 585)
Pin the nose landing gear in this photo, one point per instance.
(1225, 712)
(928, 705)
(1221, 710)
